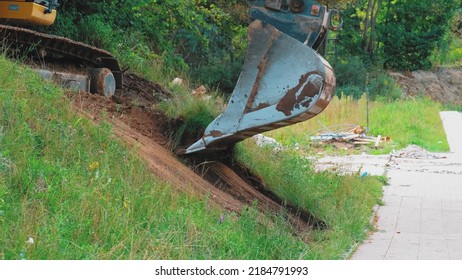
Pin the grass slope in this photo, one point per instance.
(80, 194)
(345, 203)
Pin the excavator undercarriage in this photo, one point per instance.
(96, 70)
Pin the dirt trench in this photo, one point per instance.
(138, 123)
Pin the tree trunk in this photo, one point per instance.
(367, 23)
(375, 11)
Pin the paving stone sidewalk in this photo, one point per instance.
(422, 213)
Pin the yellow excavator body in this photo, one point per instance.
(26, 13)
(104, 74)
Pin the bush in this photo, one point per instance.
(384, 87)
(95, 31)
(354, 91)
(214, 74)
(351, 72)
(412, 32)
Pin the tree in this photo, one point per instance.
(412, 29)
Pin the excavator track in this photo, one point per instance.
(26, 40)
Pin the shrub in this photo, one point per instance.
(413, 30)
(384, 87)
(351, 71)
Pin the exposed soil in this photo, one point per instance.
(440, 84)
(137, 122)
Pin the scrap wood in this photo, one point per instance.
(356, 136)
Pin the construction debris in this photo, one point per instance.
(415, 152)
(201, 92)
(262, 140)
(356, 136)
(177, 82)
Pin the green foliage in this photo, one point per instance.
(180, 35)
(383, 87)
(412, 30)
(407, 35)
(94, 24)
(353, 75)
(452, 107)
(213, 73)
(449, 50)
(351, 71)
(3, 192)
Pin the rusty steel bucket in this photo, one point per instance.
(283, 82)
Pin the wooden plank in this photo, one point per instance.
(377, 142)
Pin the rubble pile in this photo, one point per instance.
(415, 152)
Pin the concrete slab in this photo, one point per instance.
(452, 124)
(431, 204)
(404, 246)
(454, 244)
(432, 222)
(433, 247)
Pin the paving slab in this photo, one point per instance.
(421, 218)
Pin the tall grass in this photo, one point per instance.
(70, 190)
(345, 203)
(194, 112)
(405, 121)
(452, 107)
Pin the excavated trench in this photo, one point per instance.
(227, 183)
(217, 176)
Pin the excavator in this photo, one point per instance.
(284, 79)
(102, 73)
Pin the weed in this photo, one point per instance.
(452, 107)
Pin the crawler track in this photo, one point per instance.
(31, 42)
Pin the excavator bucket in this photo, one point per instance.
(283, 82)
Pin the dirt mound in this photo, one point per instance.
(137, 122)
(441, 84)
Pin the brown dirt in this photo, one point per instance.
(441, 84)
(138, 123)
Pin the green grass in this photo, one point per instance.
(345, 203)
(81, 194)
(194, 112)
(452, 107)
(405, 121)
